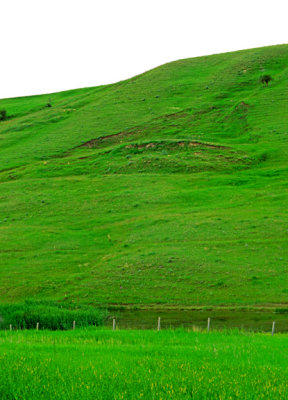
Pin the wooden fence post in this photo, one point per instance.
(208, 324)
(114, 324)
(37, 326)
(10, 327)
(74, 325)
(159, 324)
(273, 328)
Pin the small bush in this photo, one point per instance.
(49, 104)
(3, 115)
(266, 79)
(50, 315)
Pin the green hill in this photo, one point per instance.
(167, 188)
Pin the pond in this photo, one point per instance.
(258, 321)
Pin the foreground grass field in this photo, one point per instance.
(102, 364)
(168, 188)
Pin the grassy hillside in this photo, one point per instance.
(167, 188)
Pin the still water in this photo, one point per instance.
(258, 321)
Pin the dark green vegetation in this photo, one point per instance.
(167, 188)
(99, 364)
(3, 115)
(49, 315)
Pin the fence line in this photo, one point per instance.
(208, 325)
(273, 328)
(158, 325)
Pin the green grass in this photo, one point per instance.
(49, 315)
(101, 364)
(169, 188)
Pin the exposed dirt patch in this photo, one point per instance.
(173, 144)
(242, 106)
(177, 115)
(95, 142)
(173, 116)
(200, 113)
(212, 146)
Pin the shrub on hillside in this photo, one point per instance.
(3, 115)
(49, 104)
(266, 79)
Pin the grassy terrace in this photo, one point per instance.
(166, 189)
(101, 364)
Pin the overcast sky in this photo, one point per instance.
(53, 45)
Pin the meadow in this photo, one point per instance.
(172, 364)
(168, 189)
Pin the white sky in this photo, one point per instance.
(53, 45)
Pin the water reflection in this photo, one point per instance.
(258, 321)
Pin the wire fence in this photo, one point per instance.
(159, 325)
(253, 322)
